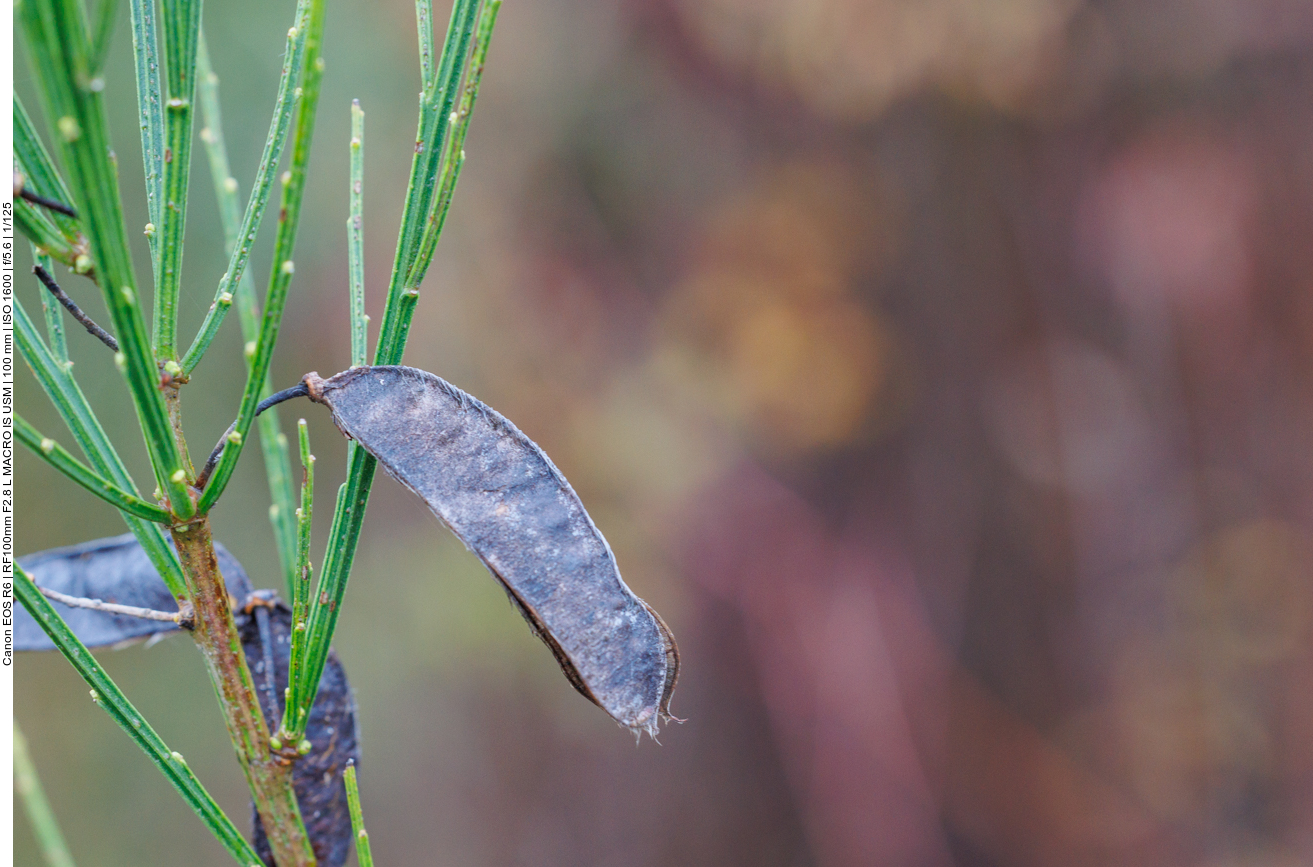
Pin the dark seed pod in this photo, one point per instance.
(332, 732)
(114, 570)
(509, 504)
(117, 570)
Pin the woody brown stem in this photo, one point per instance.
(270, 781)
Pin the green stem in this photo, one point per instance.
(43, 234)
(273, 445)
(44, 825)
(268, 777)
(145, 52)
(74, 100)
(293, 730)
(436, 104)
(454, 153)
(353, 496)
(363, 856)
(293, 71)
(106, 18)
(53, 312)
(57, 381)
(283, 268)
(39, 172)
(59, 458)
(182, 21)
(107, 694)
(355, 235)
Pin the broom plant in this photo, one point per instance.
(70, 208)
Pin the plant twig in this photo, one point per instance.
(283, 267)
(273, 444)
(112, 607)
(268, 776)
(298, 390)
(59, 458)
(44, 826)
(453, 158)
(78, 110)
(353, 496)
(355, 240)
(293, 71)
(107, 694)
(363, 855)
(292, 728)
(38, 169)
(106, 18)
(51, 204)
(146, 58)
(69, 304)
(50, 311)
(58, 383)
(182, 22)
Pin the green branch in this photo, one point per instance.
(293, 71)
(57, 381)
(106, 693)
(292, 730)
(106, 17)
(182, 21)
(353, 496)
(44, 826)
(273, 444)
(59, 458)
(283, 267)
(73, 99)
(355, 240)
(363, 856)
(145, 53)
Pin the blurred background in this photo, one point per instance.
(941, 370)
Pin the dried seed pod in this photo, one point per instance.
(113, 570)
(318, 776)
(509, 504)
(118, 570)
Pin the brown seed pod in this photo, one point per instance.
(509, 504)
(266, 631)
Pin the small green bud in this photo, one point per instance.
(230, 185)
(288, 266)
(304, 747)
(69, 129)
(82, 264)
(249, 349)
(120, 361)
(172, 368)
(47, 445)
(275, 743)
(235, 438)
(128, 295)
(150, 230)
(177, 757)
(178, 477)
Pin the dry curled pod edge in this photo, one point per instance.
(510, 505)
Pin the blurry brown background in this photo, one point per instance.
(942, 370)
